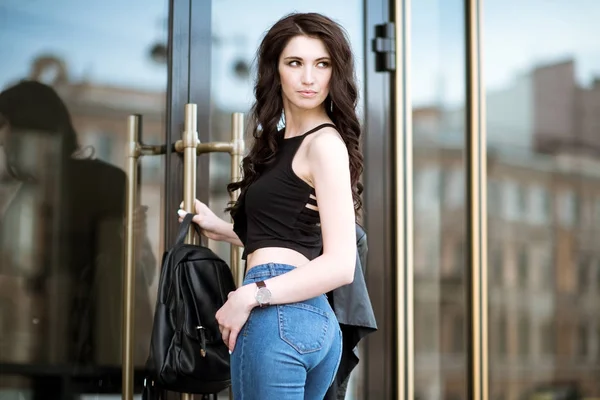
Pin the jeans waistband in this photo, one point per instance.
(268, 270)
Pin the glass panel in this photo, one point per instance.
(88, 65)
(438, 96)
(543, 97)
(235, 41)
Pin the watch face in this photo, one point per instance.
(263, 296)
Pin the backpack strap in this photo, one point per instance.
(184, 228)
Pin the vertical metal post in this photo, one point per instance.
(476, 206)
(237, 151)
(403, 178)
(190, 142)
(134, 123)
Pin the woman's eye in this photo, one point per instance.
(323, 64)
(294, 63)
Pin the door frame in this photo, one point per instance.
(189, 58)
(189, 66)
(378, 355)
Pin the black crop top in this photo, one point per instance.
(274, 210)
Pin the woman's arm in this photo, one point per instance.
(224, 232)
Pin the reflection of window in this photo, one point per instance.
(501, 335)
(547, 336)
(458, 334)
(427, 188)
(459, 257)
(568, 211)
(522, 266)
(524, 337)
(546, 269)
(598, 280)
(598, 343)
(493, 197)
(547, 204)
(443, 184)
(425, 332)
(495, 273)
(523, 206)
(454, 188)
(539, 210)
(597, 211)
(582, 341)
(510, 201)
(583, 269)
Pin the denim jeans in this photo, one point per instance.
(286, 352)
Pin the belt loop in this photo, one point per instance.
(271, 270)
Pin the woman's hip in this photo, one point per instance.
(306, 327)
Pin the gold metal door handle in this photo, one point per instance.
(237, 152)
(134, 123)
(189, 143)
(191, 147)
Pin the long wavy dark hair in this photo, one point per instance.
(267, 110)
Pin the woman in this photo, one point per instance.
(295, 215)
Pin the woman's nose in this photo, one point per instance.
(307, 76)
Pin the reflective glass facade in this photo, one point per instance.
(481, 205)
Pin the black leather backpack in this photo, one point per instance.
(187, 354)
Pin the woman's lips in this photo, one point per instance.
(307, 93)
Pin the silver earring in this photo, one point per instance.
(331, 105)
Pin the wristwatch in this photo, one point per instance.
(263, 295)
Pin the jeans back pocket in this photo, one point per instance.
(302, 326)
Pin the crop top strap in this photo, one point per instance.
(319, 127)
(313, 130)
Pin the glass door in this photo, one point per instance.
(75, 74)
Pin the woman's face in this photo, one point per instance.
(305, 72)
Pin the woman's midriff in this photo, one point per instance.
(279, 255)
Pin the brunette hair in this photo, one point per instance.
(267, 110)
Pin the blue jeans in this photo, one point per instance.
(286, 352)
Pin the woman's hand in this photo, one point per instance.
(208, 222)
(234, 313)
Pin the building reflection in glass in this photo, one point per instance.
(438, 96)
(544, 199)
(62, 213)
(542, 94)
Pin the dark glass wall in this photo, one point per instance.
(62, 188)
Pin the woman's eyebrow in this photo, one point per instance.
(301, 59)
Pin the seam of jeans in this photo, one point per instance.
(341, 349)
